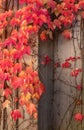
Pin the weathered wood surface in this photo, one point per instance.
(65, 93)
(46, 76)
(57, 106)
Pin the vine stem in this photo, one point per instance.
(82, 82)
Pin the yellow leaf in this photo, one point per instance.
(6, 103)
(28, 96)
(57, 12)
(22, 74)
(45, 1)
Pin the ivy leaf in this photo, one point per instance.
(36, 115)
(52, 4)
(26, 50)
(15, 22)
(15, 114)
(78, 117)
(17, 67)
(81, 4)
(66, 65)
(57, 23)
(82, 14)
(79, 87)
(47, 60)
(40, 89)
(76, 72)
(43, 18)
(45, 1)
(7, 92)
(67, 34)
(71, 58)
(28, 96)
(31, 108)
(2, 85)
(17, 82)
(43, 35)
(6, 103)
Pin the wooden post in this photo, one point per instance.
(46, 74)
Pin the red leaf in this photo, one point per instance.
(81, 4)
(69, 1)
(17, 67)
(47, 60)
(82, 14)
(15, 22)
(76, 72)
(79, 87)
(52, 4)
(71, 58)
(17, 82)
(66, 65)
(40, 89)
(43, 35)
(16, 114)
(26, 50)
(67, 34)
(43, 18)
(57, 23)
(2, 85)
(78, 117)
(7, 92)
(35, 115)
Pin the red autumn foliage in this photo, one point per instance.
(16, 114)
(43, 35)
(67, 34)
(82, 14)
(24, 22)
(76, 72)
(71, 58)
(66, 65)
(47, 60)
(7, 92)
(79, 87)
(78, 117)
(31, 108)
